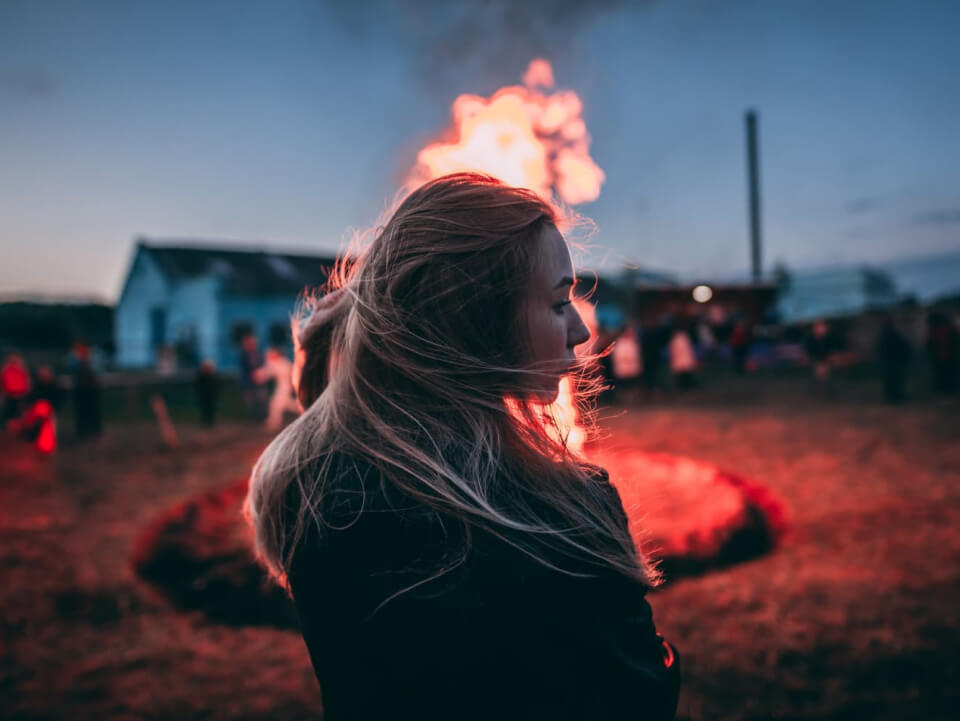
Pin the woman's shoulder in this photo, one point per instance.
(364, 536)
(353, 504)
(601, 479)
(344, 485)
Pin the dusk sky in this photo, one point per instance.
(288, 123)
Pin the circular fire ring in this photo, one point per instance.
(688, 515)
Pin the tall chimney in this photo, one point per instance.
(753, 182)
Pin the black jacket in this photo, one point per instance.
(500, 637)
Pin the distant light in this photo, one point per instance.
(702, 293)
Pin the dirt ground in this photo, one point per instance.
(856, 615)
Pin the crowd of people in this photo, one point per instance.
(259, 371)
(634, 356)
(30, 399)
(265, 381)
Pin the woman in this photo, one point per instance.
(449, 557)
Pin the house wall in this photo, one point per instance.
(194, 314)
(145, 291)
(260, 312)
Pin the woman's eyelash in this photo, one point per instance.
(558, 307)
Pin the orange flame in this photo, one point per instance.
(522, 135)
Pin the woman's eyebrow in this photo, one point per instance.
(565, 280)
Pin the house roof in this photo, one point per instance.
(245, 272)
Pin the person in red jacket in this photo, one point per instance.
(15, 386)
(449, 556)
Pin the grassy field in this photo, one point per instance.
(856, 615)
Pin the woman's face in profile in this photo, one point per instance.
(554, 326)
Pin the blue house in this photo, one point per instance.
(200, 300)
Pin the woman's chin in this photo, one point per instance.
(547, 392)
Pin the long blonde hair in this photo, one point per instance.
(415, 361)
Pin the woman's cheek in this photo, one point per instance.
(559, 335)
(549, 333)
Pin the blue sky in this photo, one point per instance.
(288, 123)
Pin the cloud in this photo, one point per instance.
(495, 39)
(866, 204)
(26, 82)
(859, 233)
(938, 217)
